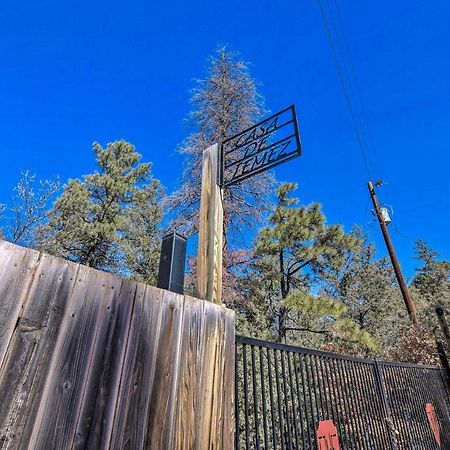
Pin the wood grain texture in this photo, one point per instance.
(138, 373)
(164, 388)
(210, 236)
(93, 361)
(189, 376)
(57, 417)
(17, 266)
(102, 383)
(24, 371)
(207, 338)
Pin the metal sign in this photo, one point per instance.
(434, 423)
(327, 436)
(259, 148)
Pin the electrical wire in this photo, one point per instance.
(365, 122)
(405, 236)
(340, 47)
(345, 88)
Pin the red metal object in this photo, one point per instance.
(434, 423)
(327, 437)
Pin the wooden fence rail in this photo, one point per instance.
(89, 360)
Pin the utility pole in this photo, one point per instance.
(395, 264)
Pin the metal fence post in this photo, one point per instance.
(286, 394)
(387, 409)
(172, 263)
(443, 323)
(444, 360)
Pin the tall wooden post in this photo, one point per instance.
(395, 264)
(210, 236)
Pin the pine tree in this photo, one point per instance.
(368, 288)
(433, 277)
(98, 220)
(224, 103)
(431, 287)
(142, 239)
(292, 254)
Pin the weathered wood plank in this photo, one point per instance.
(208, 365)
(210, 233)
(161, 430)
(132, 409)
(102, 382)
(17, 266)
(202, 420)
(99, 362)
(189, 377)
(197, 375)
(229, 421)
(69, 369)
(25, 367)
(222, 419)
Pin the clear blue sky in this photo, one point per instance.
(75, 72)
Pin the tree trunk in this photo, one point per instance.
(282, 324)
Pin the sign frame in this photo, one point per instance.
(221, 176)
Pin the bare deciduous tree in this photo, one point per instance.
(29, 208)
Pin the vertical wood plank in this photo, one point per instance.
(161, 429)
(132, 409)
(17, 266)
(189, 385)
(223, 411)
(210, 236)
(206, 362)
(63, 393)
(207, 376)
(99, 362)
(204, 416)
(25, 367)
(102, 382)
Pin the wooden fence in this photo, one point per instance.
(89, 360)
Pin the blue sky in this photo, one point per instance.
(74, 72)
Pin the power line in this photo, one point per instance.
(345, 89)
(365, 121)
(405, 236)
(337, 37)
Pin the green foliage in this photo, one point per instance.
(432, 278)
(142, 238)
(293, 255)
(313, 307)
(370, 292)
(319, 314)
(431, 287)
(108, 216)
(299, 243)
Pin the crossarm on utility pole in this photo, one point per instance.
(210, 236)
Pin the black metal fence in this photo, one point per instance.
(284, 393)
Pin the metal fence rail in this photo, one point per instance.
(283, 393)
